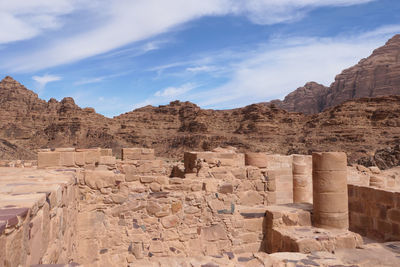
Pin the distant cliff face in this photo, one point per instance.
(29, 122)
(309, 99)
(359, 126)
(377, 75)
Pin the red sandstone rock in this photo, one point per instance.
(359, 127)
(377, 75)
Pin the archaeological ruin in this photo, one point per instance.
(84, 207)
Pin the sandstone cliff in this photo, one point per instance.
(377, 75)
(361, 127)
(29, 122)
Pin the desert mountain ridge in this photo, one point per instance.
(363, 127)
(377, 75)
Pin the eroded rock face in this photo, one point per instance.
(377, 75)
(309, 99)
(352, 127)
(385, 158)
(359, 127)
(34, 123)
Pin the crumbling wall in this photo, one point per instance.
(278, 172)
(135, 210)
(374, 212)
(37, 221)
(130, 209)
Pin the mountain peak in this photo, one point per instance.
(9, 79)
(394, 39)
(374, 76)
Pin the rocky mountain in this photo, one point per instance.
(309, 99)
(377, 75)
(28, 122)
(359, 127)
(367, 128)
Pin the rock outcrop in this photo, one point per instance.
(28, 122)
(359, 126)
(377, 75)
(309, 99)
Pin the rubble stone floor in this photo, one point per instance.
(369, 255)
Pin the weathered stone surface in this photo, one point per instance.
(330, 196)
(100, 179)
(371, 77)
(226, 188)
(214, 233)
(170, 221)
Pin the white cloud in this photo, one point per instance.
(90, 80)
(23, 20)
(124, 22)
(171, 92)
(272, 72)
(42, 81)
(167, 95)
(98, 79)
(198, 69)
(277, 11)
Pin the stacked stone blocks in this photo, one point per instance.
(374, 212)
(330, 200)
(71, 157)
(37, 217)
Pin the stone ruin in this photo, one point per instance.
(222, 208)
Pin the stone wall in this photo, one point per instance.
(374, 212)
(135, 208)
(74, 157)
(37, 217)
(18, 163)
(136, 211)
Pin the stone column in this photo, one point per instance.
(330, 207)
(302, 179)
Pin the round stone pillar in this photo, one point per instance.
(330, 200)
(302, 179)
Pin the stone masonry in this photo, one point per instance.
(225, 208)
(330, 199)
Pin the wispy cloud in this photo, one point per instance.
(272, 71)
(198, 69)
(175, 91)
(124, 22)
(90, 80)
(168, 94)
(42, 81)
(272, 12)
(23, 20)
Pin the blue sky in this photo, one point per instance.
(117, 55)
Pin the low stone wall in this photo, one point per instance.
(38, 212)
(124, 210)
(74, 157)
(374, 212)
(278, 171)
(134, 212)
(18, 163)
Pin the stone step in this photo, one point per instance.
(308, 239)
